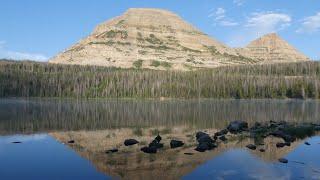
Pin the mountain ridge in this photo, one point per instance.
(154, 39)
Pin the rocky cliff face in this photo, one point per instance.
(271, 48)
(159, 39)
(149, 38)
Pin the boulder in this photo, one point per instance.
(280, 145)
(176, 143)
(156, 144)
(283, 160)
(262, 150)
(16, 142)
(205, 139)
(202, 147)
(149, 150)
(251, 146)
(307, 143)
(222, 132)
(223, 138)
(111, 151)
(71, 141)
(200, 134)
(158, 138)
(130, 142)
(237, 126)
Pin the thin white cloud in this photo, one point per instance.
(267, 22)
(259, 24)
(310, 24)
(219, 17)
(7, 54)
(238, 2)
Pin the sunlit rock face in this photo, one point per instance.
(150, 38)
(131, 163)
(271, 49)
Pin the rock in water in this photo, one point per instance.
(283, 160)
(200, 134)
(222, 132)
(237, 126)
(280, 145)
(205, 139)
(156, 144)
(130, 142)
(71, 141)
(149, 150)
(251, 146)
(223, 138)
(158, 138)
(307, 143)
(16, 142)
(262, 150)
(202, 147)
(111, 151)
(176, 143)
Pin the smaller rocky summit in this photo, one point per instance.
(272, 48)
(130, 142)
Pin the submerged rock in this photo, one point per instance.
(307, 143)
(262, 150)
(156, 144)
(251, 146)
(280, 145)
(130, 142)
(158, 138)
(221, 133)
(237, 126)
(176, 143)
(283, 135)
(205, 139)
(71, 141)
(202, 147)
(16, 142)
(200, 134)
(111, 151)
(149, 150)
(223, 138)
(283, 160)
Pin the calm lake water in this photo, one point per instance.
(44, 127)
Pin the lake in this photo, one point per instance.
(44, 138)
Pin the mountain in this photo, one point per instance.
(149, 38)
(159, 39)
(272, 48)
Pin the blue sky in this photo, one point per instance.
(38, 29)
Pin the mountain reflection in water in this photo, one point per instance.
(99, 125)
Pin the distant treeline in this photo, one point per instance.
(30, 79)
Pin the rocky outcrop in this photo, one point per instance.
(270, 49)
(149, 38)
(159, 39)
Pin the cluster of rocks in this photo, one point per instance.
(283, 130)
